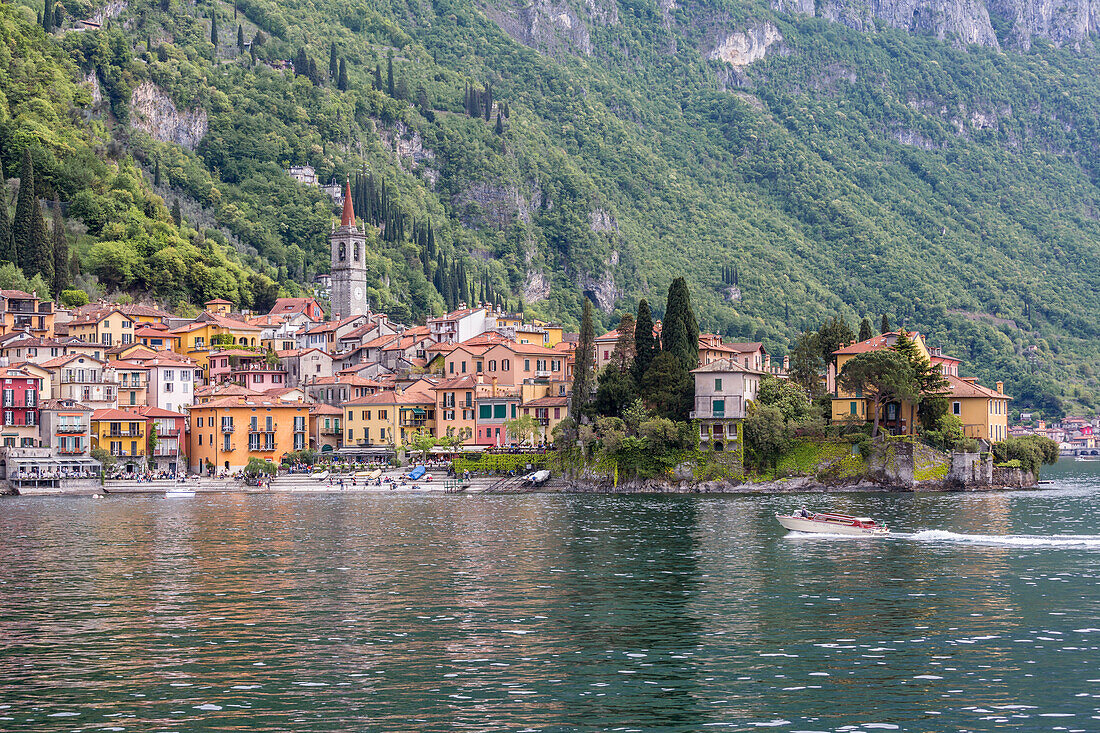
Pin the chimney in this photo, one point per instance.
(1000, 387)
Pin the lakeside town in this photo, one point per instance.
(135, 392)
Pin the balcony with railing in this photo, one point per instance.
(226, 428)
(708, 407)
(139, 433)
(70, 450)
(168, 432)
(71, 429)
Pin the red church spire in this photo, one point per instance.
(348, 219)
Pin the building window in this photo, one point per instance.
(956, 408)
(504, 365)
(852, 408)
(485, 412)
(718, 385)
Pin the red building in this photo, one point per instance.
(20, 407)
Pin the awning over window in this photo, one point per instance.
(418, 411)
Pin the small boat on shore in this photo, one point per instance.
(829, 523)
(179, 494)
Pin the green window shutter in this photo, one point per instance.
(500, 412)
(484, 412)
(852, 407)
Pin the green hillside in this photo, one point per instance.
(854, 173)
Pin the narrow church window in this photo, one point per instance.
(343, 251)
(356, 252)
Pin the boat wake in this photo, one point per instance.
(1021, 540)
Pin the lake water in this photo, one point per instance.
(551, 613)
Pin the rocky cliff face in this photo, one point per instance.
(1063, 22)
(560, 26)
(152, 112)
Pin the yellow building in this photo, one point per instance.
(983, 411)
(227, 432)
(196, 339)
(108, 327)
(123, 434)
(389, 418)
(899, 418)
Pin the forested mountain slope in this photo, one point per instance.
(936, 165)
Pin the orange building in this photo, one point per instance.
(227, 432)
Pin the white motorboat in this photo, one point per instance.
(828, 523)
(178, 494)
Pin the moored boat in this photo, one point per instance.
(179, 494)
(829, 523)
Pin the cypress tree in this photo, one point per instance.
(499, 127)
(865, 330)
(333, 64)
(240, 37)
(583, 363)
(7, 245)
(645, 345)
(156, 173)
(47, 16)
(885, 328)
(342, 77)
(177, 219)
(389, 76)
(488, 102)
(378, 77)
(29, 228)
(214, 29)
(680, 331)
(74, 268)
(60, 246)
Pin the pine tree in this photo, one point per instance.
(60, 247)
(214, 29)
(865, 330)
(342, 77)
(240, 36)
(645, 344)
(885, 328)
(389, 76)
(680, 331)
(499, 127)
(582, 366)
(333, 63)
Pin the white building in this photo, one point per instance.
(462, 324)
(303, 174)
(172, 382)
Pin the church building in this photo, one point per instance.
(349, 267)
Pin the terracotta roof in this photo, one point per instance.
(555, 401)
(321, 408)
(875, 343)
(224, 390)
(151, 411)
(218, 301)
(725, 365)
(60, 361)
(13, 372)
(289, 353)
(969, 387)
(352, 380)
(17, 294)
(123, 364)
(292, 305)
(347, 216)
(251, 400)
(380, 341)
(408, 397)
(113, 414)
(466, 382)
(332, 325)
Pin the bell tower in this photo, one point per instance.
(349, 266)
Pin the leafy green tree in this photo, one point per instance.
(865, 330)
(790, 398)
(884, 376)
(646, 347)
(806, 363)
(947, 435)
(583, 363)
(832, 335)
(258, 467)
(669, 388)
(1032, 451)
(934, 388)
(615, 392)
(522, 428)
(765, 435)
(73, 298)
(422, 442)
